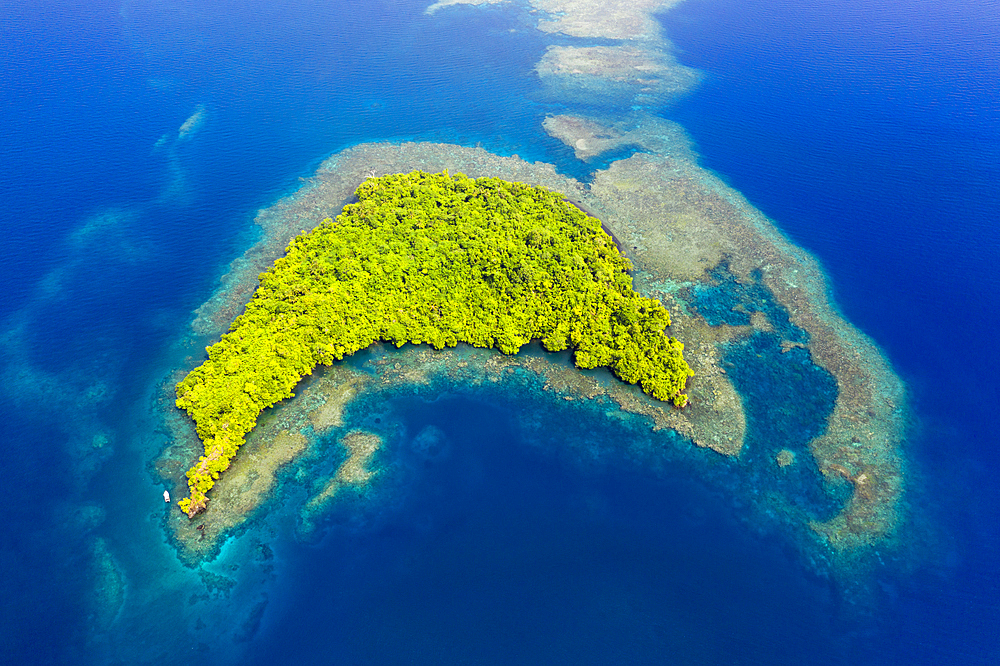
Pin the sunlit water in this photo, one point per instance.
(879, 154)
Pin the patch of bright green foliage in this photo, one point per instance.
(429, 258)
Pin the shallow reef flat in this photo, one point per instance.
(623, 74)
(610, 19)
(687, 235)
(591, 137)
(441, 4)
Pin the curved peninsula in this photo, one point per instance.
(436, 259)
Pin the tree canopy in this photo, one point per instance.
(436, 259)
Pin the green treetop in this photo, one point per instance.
(436, 259)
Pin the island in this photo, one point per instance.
(792, 411)
(776, 369)
(434, 259)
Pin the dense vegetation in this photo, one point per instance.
(429, 258)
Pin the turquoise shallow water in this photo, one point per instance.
(870, 137)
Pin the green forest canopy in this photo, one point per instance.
(436, 259)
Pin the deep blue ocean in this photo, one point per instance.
(869, 131)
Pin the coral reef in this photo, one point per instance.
(679, 225)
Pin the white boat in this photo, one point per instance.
(166, 496)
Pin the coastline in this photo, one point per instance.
(668, 264)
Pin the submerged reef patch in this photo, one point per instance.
(621, 75)
(193, 123)
(611, 19)
(354, 472)
(591, 137)
(441, 4)
(109, 586)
